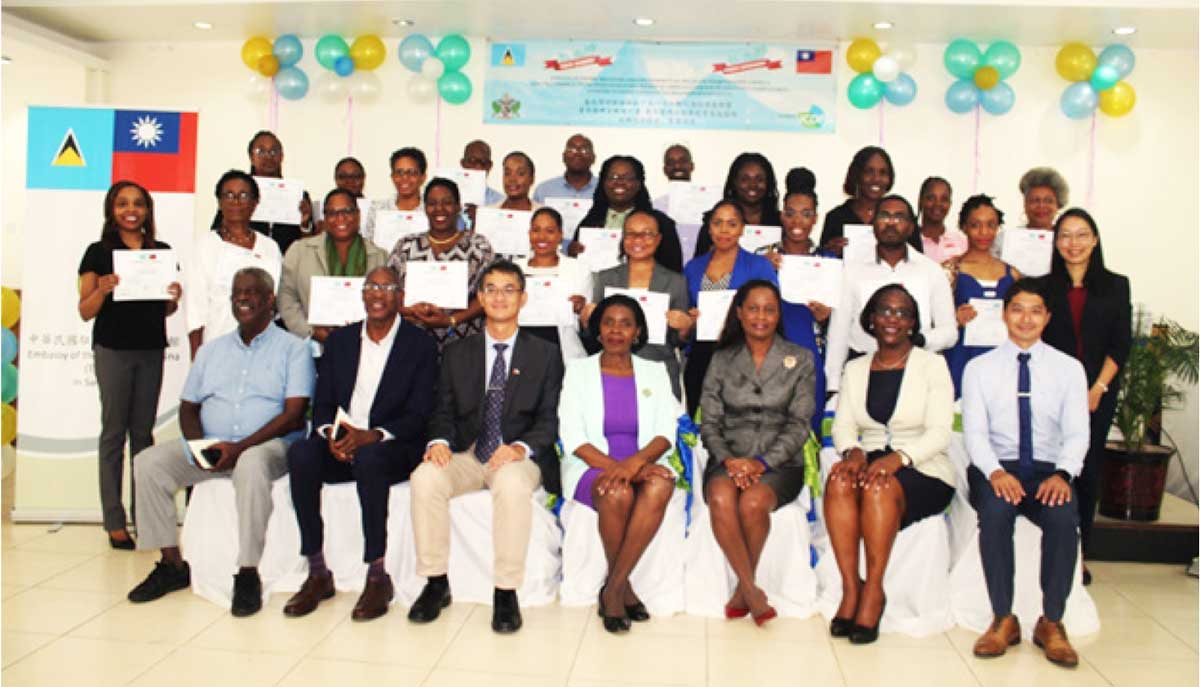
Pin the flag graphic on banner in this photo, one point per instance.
(68, 153)
(814, 61)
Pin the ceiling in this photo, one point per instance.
(1169, 24)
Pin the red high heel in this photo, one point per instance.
(761, 620)
(733, 612)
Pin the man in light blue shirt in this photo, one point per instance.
(577, 181)
(1025, 424)
(247, 392)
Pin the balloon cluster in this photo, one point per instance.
(436, 69)
(981, 76)
(276, 61)
(880, 75)
(10, 312)
(1098, 81)
(350, 68)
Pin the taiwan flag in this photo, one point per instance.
(814, 61)
(155, 149)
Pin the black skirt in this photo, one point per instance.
(923, 495)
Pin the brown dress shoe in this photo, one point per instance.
(374, 600)
(1003, 633)
(316, 588)
(1052, 638)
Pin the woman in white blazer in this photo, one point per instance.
(617, 419)
(545, 260)
(892, 428)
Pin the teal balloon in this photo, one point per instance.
(1105, 77)
(292, 83)
(453, 51)
(8, 346)
(998, 99)
(343, 66)
(329, 48)
(962, 58)
(1079, 100)
(865, 91)
(1004, 56)
(288, 49)
(413, 51)
(962, 96)
(900, 90)
(454, 87)
(8, 380)
(1119, 57)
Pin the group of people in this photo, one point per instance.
(456, 400)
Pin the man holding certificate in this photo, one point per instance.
(374, 397)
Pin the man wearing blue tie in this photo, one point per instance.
(1025, 423)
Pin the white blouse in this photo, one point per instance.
(209, 279)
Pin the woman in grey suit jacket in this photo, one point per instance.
(756, 410)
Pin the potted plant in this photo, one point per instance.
(1135, 468)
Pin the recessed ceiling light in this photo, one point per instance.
(403, 22)
(202, 25)
(644, 21)
(1125, 30)
(884, 25)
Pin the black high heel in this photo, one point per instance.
(861, 634)
(840, 627)
(613, 624)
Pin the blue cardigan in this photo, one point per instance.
(746, 266)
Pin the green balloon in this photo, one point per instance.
(962, 58)
(329, 49)
(8, 383)
(1004, 56)
(454, 87)
(453, 51)
(865, 91)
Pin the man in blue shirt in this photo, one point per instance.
(1025, 424)
(247, 390)
(577, 181)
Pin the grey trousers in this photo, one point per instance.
(163, 470)
(129, 383)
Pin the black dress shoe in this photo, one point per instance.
(613, 624)
(247, 593)
(861, 634)
(126, 544)
(1087, 576)
(637, 612)
(165, 578)
(506, 612)
(428, 606)
(840, 627)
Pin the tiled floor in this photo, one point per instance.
(66, 622)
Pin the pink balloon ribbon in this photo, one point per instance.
(349, 125)
(881, 124)
(437, 131)
(975, 177)
(1091, 185)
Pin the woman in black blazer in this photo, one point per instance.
(1091, 322)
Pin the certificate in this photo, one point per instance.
(472, 183)
(234, 258)
(198, 452)
(654, 306)
(602, 248)
(805, 278)
(713, 307)
(506, 230)
(687, 202)
(278, 200)
(1028, 250)
(143, 275)
(549, 303)
(335, 301)
(573, 210)
(443, 284)
(393, 225)
(756, 236)
(861, 247)
(987, 328)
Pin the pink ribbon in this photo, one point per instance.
(881, 124)
(349, 125)
(975, 176)
(1091, 184)
(273, 109)
(437, 132)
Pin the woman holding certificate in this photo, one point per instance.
(868, 179)
(518, 179)
(621, 191)
(129, 338)
(724, 268)
(751, 184)
(442, 299)
(979, 280)
(1091, 321)
(548, 273)
(338, 252)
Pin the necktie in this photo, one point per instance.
(1025, 445)
(493, 405)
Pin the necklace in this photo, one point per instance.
(442, 242)
(892, 366)
(246, 240)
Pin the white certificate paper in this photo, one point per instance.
(987, 328)
(443, 284)
(602, 248)
(1028, 250)
(143, 275)
(393, 225)
(687, 202)
(805, 278)
(506, 230)
(335, 301)
(572, 210)
(756, 236)
(713, 307)
(654, 306)
(472, 183)
(549, 303)
(278, 200)
(195, 449)
(234, 258)
(862, 243)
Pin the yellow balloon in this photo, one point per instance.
(254, 50)
(1118, 100)
(8, 424)
(367, 52)
(986, 78)
(268, 66)
(861, 54)
(1075, 62)
(10, 308)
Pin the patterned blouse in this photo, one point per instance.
(472, 248)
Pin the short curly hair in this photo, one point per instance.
(1050, 178)
(639, 318)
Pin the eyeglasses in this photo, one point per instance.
(380, 288)
(806, 214)
(341, 212)
(406, 172)
(231, 197)
(267, 152)
(898, 313)
(621, 178)
(641, 235)
(349, 176)
(892, 217)
(507, 291)
(1075, 237)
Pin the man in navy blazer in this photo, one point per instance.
(375, 394)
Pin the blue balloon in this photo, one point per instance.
(8, 346)
(414, 50)
(1104, 77)
(900, 90)
(292, 83)
(1079, 101)
(343, 66)
(999, 99)
(1119, 57)
(962, 96)
(288, 50)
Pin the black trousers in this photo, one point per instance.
(375, 469)
(694, 371)
(1088, 484)
(1059, 542)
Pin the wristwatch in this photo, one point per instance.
(905, 459)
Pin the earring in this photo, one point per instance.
(910, 332)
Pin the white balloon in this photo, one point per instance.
(886, 68)
(432, 69)
(258, 88)
(365, 86)
(905, 54)
(331, 88)
(420, 89)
